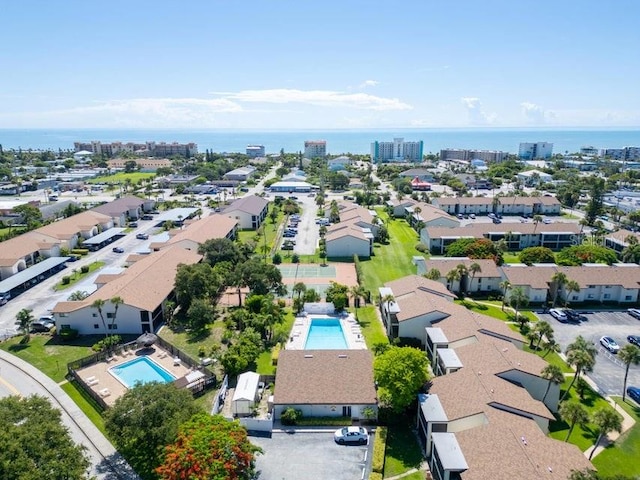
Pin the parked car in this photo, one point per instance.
(635, 339)
(558, 314)
(4, 297)
(147, 217)
(610, 344)
(634, 312)
(72, 258)
(574, 316)
(497, 220)
(357, 435)
(287, 246)
(133, 224)
(491, 215)
(472, 216)
(634, 393)
(142, 236)
(460, 216)
(47, 319)
(547, 221)
(118, 249)
(39, 326)
(288, 234)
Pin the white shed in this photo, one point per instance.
(246, 394)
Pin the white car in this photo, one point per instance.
(558, 314)
(634, 312)
(357, 435)
(547, 221)
(610, 344)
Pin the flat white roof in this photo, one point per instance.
(247, 386)
(432, 408)
(449, 452)
(437, 335)
(449, 358)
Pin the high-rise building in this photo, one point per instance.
(531, 151)
(255, 151)
(315, 148)
(397, 151)
(152, 149)
(624, 153)
(489, 156)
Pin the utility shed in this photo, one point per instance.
(245, 395)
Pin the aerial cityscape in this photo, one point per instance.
(265, 241)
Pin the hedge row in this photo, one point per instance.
(379, 449)
(80, 251)
(275, 354)
(358, 267)
(375, 476)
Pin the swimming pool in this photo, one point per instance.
(325, 334)
(140, 370)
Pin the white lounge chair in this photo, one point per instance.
(176, 361)
(105, 392)
(93, 381)
(162, 354)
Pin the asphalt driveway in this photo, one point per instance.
(297, 456)
(608, 373)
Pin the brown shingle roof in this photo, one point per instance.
(253, 205)
(503, 200)
(213, 226)
(144, 285)
(119, 206)
(478, 230)
(411, 283)
(67, 228)
(342, 377)
(539, 277)
(18, 247)
(621, 236)
(340, 230)
(445, 265)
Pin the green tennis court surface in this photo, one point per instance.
(307, 271)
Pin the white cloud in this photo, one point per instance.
(322, 98)
(533, 113)
(368, 83)
(475, 112)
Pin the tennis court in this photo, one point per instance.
(307, 271)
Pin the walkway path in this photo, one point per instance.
(17, 377)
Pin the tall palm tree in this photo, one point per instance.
(433, 274)
(474, 269)
(570, 287)
(536, 220)
(553, 374)
(551, 345)
(388, 300)
(116, 302)
(505, 285)
(558, 281)
(98, 304)
(24, 319)
(607, 420)
(582, 356)
(453, 276)
(543, 329)
(629, 354)
(572, 413)
(299, 288)
(416, 215)
(518, 299)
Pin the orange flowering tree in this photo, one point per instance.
(212, 448)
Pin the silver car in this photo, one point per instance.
(357, 435)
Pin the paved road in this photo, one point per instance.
(608, 374)
(19, 378)
(308, 231)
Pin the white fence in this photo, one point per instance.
(218, 401)
(257, 424)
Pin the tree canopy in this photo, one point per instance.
(579, 254)
(531, 255)
(146, 419)
(218, 250)
(474, 248)
(209, 448)
(25, 423)
(400, 373)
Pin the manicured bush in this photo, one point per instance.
(422, 248)
(80, 251)
(66, 280)
(295, 258)
(290, 416)
(324, 421)
(277, 259)
(68, 334)
(379, 449)
(375, 476)
(275, 354)
(84, 269)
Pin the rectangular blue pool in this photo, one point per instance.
(325, 334)
(141, 370)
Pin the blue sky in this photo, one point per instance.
(297, 64)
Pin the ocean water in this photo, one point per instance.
(338, 141)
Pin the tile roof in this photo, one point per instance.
(252, 204)
(199, 231)
(144, 285)
(446, 264)
(120, 206)
(325, 377)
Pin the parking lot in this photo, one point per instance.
(295, 456)
(608, 373)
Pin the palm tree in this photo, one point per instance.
(572, 413)
(98, 304)
(569, 287)
(629, 354)
(582, 356)
(536, 220)
(116, 302)
(24, 318)
(388, 300)
(607, 420)
(543, 329)
(558, 280)
(551, 345)
(416, 215)
(474, 269)
(453, 276)
(518, 299)
(495, 203)
(505, 285)
(299, 288)
(433, 274)
(553, 374)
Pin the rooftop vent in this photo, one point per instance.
(342, 356)
(308, 356)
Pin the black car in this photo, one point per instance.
(147, 217)
(142, 236)
(634, 393)
(118, 249)
(574, 316)
(635, 339)
(497, 220)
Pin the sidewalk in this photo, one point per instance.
(107, 463)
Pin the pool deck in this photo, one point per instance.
(350, 328)
(104, 384)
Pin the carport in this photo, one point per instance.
(27, 278)
(102, 239)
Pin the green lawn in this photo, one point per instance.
(496, 310)
(86, 404)
(391, 261)
(371, 326)
(122, 177)
(511, 257)
(582, 436)
(77, 275)
(403, 452)
(622, 457)
(49, 354)
(5, 231)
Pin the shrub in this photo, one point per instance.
(275, 354)
(66, 280)
(324, 421)
(105, 343)
(84, 269)
(375, 476)
(422, 248)
(295, 258)
(290, 416)
(277, 259)
(80, 251)
(201, 351)
(68, 334)
(379, 449)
